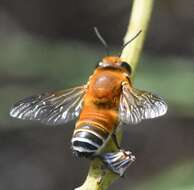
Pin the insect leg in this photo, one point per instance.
(119, 161)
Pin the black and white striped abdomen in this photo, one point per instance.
(87, 140)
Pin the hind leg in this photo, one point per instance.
(117, 161)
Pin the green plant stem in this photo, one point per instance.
(140, 17)
(100, 178)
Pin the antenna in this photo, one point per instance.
(101, 40)
(132, 39)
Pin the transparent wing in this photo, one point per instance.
(51, 108)
(136, 105)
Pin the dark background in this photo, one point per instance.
(47, 45)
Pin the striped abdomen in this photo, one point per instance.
(91, 132)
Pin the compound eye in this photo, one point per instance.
(126, 66)
(97, 65)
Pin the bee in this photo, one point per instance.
(107, 101)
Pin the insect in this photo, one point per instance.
(107, 101)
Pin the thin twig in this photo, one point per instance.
(100, 178)
(140, 18)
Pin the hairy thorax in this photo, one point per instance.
(105, 87)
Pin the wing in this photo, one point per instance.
(51, 108)
(136, 105)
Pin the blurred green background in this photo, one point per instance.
(50, 45)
